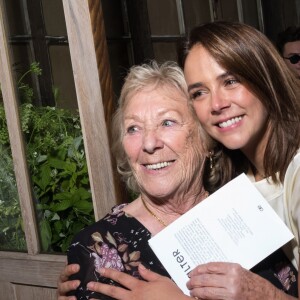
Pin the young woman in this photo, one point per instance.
(247, 99)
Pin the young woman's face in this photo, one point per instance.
(227, 110)
(162, 141)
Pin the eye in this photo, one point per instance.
(168, 123)
(231, 81)
(132, 129)
(196, 95)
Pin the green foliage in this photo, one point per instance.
(11, 231)
(58, 168)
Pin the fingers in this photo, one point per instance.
(215, 268)
(217, 281)
(68, 286)
(64, 285)
(124, 279)
(149, 275)
(68, 271)
(109, 290)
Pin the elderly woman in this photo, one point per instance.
(160, 153)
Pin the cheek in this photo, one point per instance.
(201, 112)
(131, 148)
(192, 144)
(194, 157)
(261, 115)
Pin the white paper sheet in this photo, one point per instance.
(235, 224)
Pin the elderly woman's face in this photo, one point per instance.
(162, 141)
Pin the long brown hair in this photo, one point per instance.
(250, 55)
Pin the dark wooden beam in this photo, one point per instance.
(140, 30)
(41, 51)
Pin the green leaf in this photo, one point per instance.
(64, 205)
(46, 234)
(66, 243)
(57, 163)
(71, 167)
(41, 158)
(75, 146)
(55, 217)
(62, 196)
(84, 206)
(58, 226)
(44, 179)
(84, 194)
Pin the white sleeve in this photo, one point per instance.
(292, 202)
(295, 204)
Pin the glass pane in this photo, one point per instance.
(12, 236)
(115, 19)
(63, 83)
(54, 17)
(165, 51)
(15, 11)
(250, 13)
(195, 12)
(119, 54)
(227, 10)
(163, 21)
(278, 15)
(53, 142)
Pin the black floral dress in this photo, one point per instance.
(120, 241)
(117, 241)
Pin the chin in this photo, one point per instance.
(233, 146)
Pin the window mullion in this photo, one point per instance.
(260, 16)
(16, 140)
(89, 97)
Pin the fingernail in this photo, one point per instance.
(101, 271)
(75, 268)
(90, 285)
(142, 267)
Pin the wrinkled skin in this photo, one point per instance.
(231, 281)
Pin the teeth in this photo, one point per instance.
(158, 165)
(230, 122)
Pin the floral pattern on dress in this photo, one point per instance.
(285, 275)
(117, 256)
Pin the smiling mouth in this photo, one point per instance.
(230, 122)
(159, 166)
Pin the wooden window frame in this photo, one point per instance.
(89, 58)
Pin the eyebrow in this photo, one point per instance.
(195, 85)
(159, 114)
(200, 84)
(293, 53)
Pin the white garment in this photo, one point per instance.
(285, 200)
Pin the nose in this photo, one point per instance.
(152, 140)
(219, 102)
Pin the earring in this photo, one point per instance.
(211, 159)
